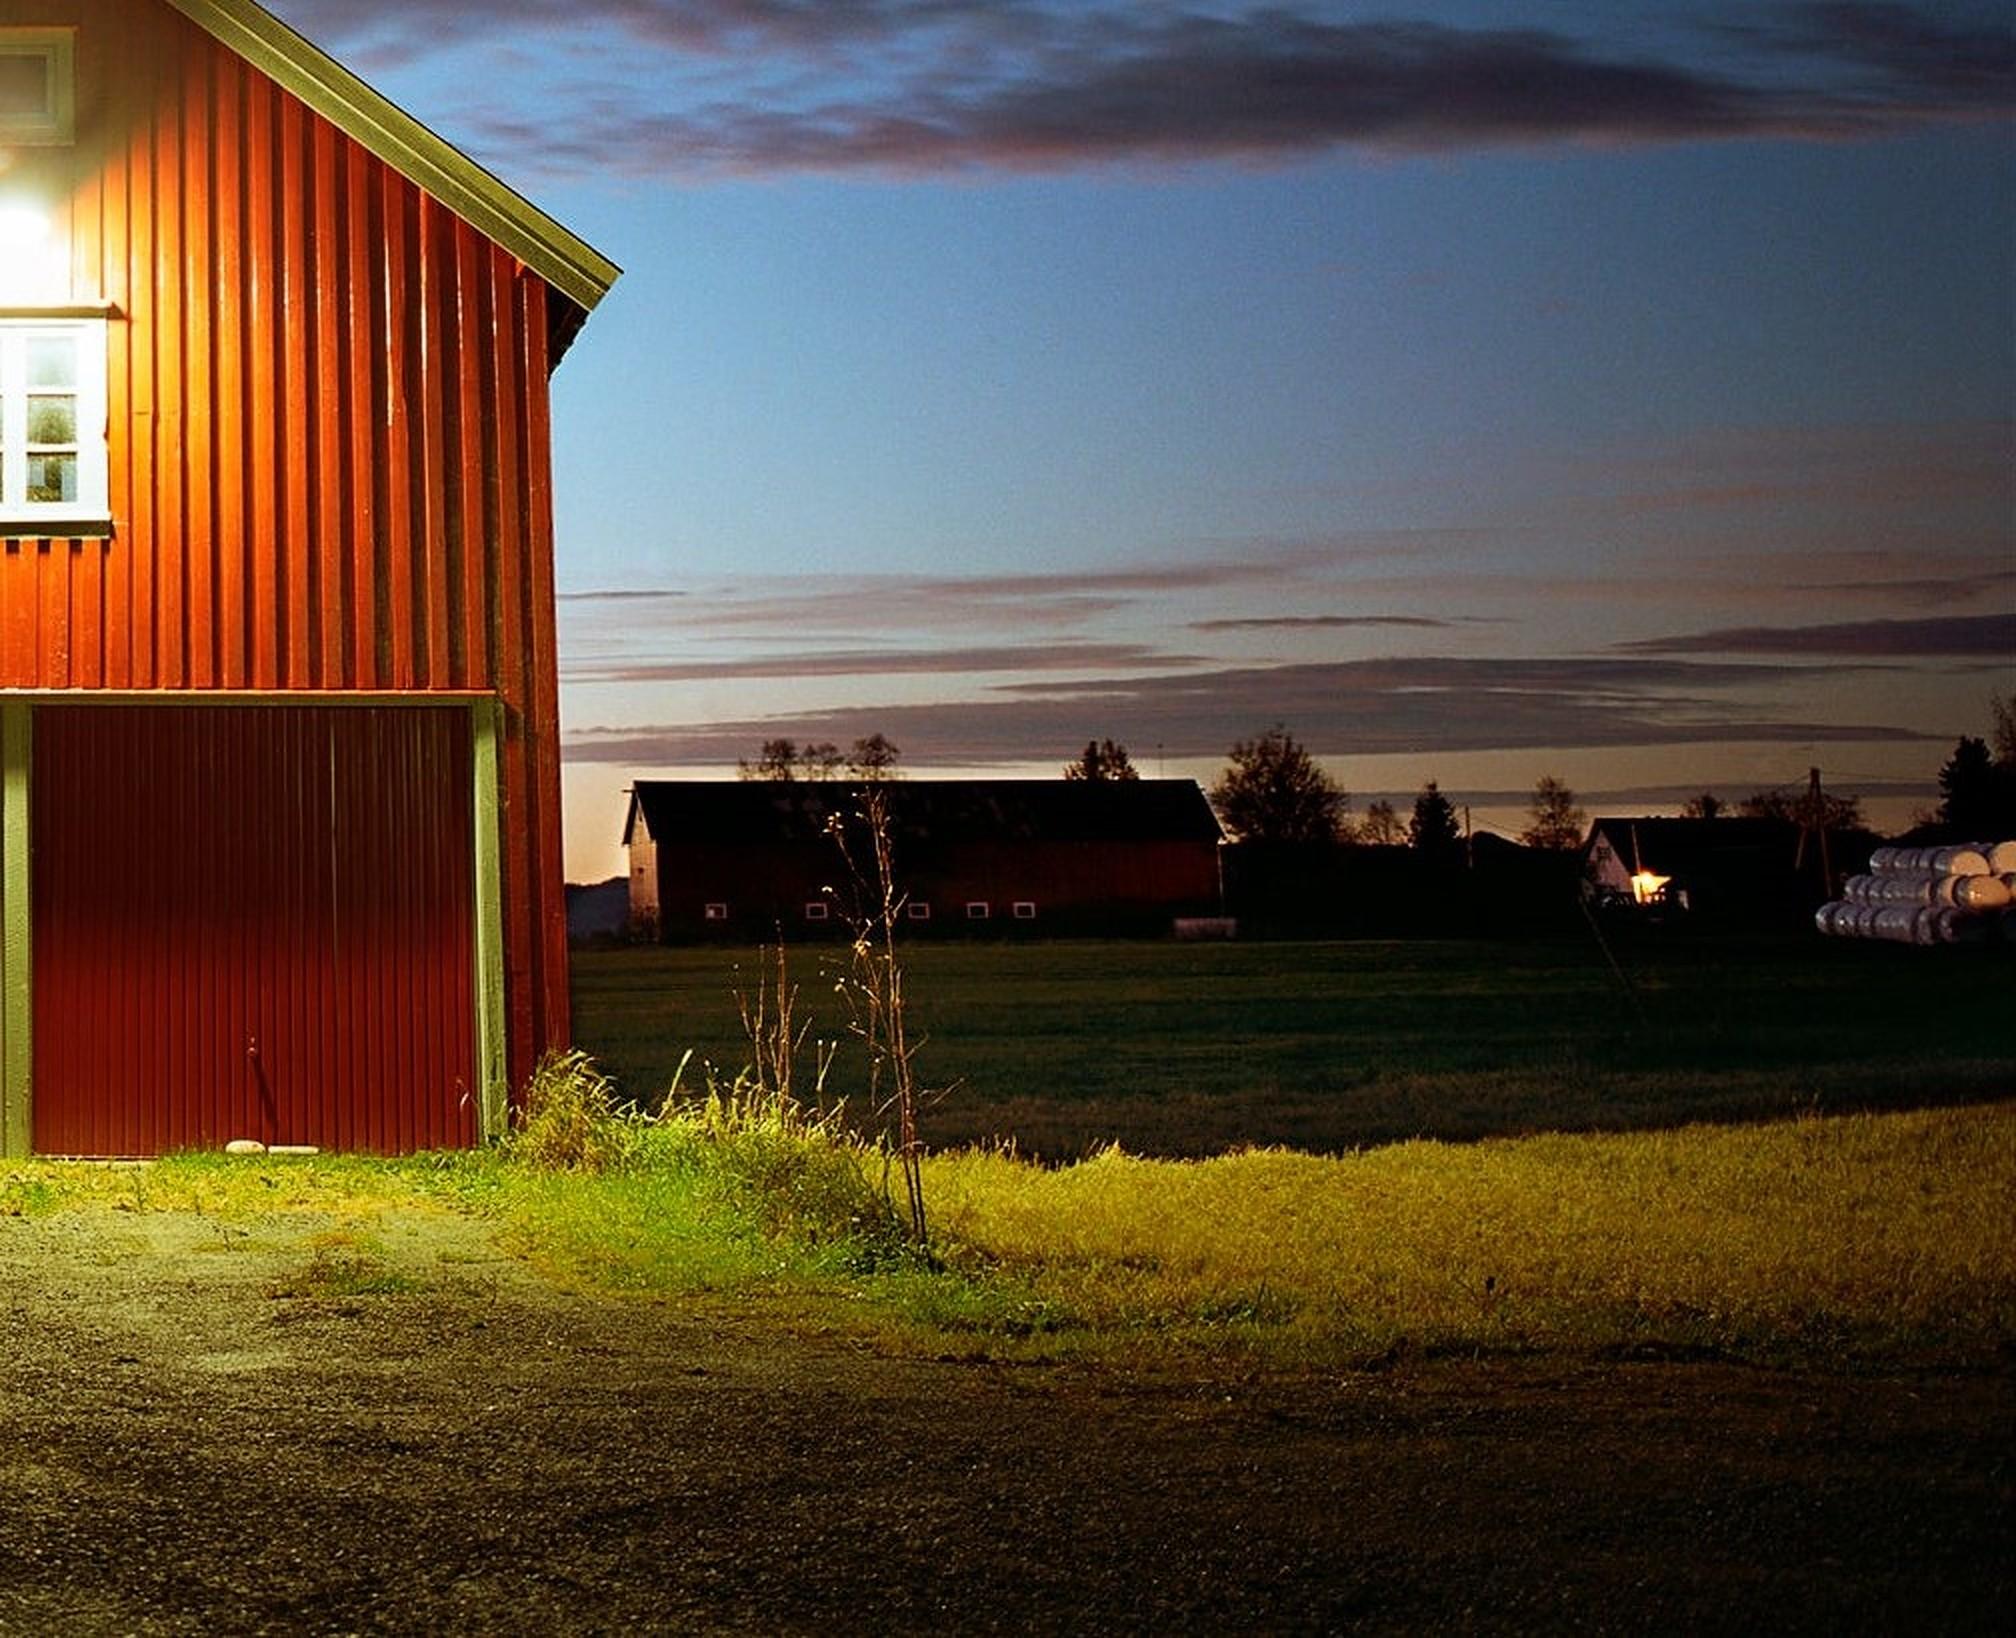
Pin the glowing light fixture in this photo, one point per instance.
(1645, 886)
(34, 264)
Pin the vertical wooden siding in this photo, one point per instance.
(329, 436)
(252, 922)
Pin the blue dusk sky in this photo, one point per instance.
(1481, 390)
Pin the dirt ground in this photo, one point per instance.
(201, 1430)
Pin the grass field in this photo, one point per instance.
(1179, 1050)
(1799, 1154)
(1815, 1241)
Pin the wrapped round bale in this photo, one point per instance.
(1980, 893)
(1896, 922)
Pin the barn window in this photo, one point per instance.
(52, 426)
(976, 910)
(815, 909)
(715, 912)
(1024, 910)
(917, 910)
(37, 86)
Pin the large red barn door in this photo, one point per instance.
(252, 922)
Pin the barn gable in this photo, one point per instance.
(572, 267)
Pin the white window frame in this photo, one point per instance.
(1023, 910)
(917, 910)
(816, 910)
(55, 124)
(978, 909)
(91, 511)
(714, 910)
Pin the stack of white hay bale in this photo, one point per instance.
(1928, 895)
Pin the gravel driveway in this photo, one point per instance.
(208, 1428)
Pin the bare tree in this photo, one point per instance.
(1101, 759)
(2002, 737)
(1557, 821)
(1381, 826)
(872, 759)
(1705, 806)
(777, 760)
(1833, 812)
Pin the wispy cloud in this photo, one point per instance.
(1930, 591)
(1341, 622)
(1345, 709)
(1984, 636)
(617, 596)
(882, 662)
(930, 86)
(1039, 599)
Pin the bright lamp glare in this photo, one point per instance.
(33, 264)
(23, 230)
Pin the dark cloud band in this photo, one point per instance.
(1983, 636)
(1346, 709)
(930, 86)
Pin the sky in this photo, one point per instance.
(1481, 390)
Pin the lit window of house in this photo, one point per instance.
(53, 468)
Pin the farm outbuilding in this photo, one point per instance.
(279, 772)
(757, 858)
(1734, 868)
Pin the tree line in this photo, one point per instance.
(1272, 790)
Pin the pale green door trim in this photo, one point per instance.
(487, 724)
(17, 993)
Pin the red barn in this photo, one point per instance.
(757, 858)
(279, 771)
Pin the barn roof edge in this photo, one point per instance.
(565, 261)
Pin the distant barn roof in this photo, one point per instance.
(569, 264)
(933, 810)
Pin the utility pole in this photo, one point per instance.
(1813, 823)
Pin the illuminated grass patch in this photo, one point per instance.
(1816, 1240)
(1857, 1234)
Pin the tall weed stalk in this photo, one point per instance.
(777, 1038)
(872, 986)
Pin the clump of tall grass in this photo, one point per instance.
(571, 1119)
(709, 1189)
(789, 1172)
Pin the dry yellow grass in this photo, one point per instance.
(1880, 1232)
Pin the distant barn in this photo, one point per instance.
(748, 859)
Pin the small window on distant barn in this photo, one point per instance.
(1025, 910)
(53, 478)
(976, 909)
(917, 910)
(37, 86)
(815, 909)
(715, 912)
